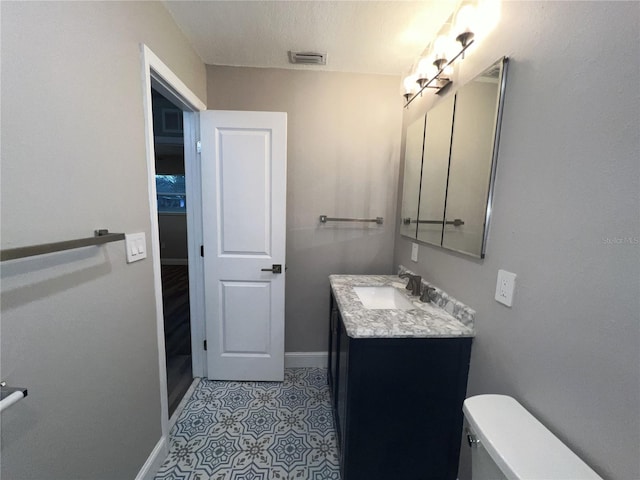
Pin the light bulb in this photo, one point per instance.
(441, 47)
(426, 70)
(464, 28)
(423, 67)
(410, 85)
(487, 16)
(465, 19)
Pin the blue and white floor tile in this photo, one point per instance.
(256, 431)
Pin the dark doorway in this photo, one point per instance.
(172, 223)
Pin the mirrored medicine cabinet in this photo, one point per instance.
(450, 163)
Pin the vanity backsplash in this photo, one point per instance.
(453, 307)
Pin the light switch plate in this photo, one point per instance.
(136, 246)
(414, 252)
(505, 286)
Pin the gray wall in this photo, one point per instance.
(79, 328)
(343, 154)
(566, 221)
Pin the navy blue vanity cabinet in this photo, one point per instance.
(332, 373)
(397, 404)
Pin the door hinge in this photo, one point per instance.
(205, 344)
(202, 250)
(198, 146)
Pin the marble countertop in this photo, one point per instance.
(424, 321)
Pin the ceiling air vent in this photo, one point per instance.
(308, 58)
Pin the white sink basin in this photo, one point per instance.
(382, 298)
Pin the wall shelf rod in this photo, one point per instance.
(325, 219)
(10, 395)
(456, 222)
(100, 237)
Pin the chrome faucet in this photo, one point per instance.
(428, 294)
(414, 283)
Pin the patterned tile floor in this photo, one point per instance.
(256, 431)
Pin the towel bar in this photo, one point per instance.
(325, 219)
(10, 395)
(100, 237)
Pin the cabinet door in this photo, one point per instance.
(333, 352)
(403, 408)
(343, 380)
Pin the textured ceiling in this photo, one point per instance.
(357, 36)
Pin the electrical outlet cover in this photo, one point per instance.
(505, 286)
(414, 252)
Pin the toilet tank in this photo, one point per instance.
(510, 443)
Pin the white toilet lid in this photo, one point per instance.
(519, 444)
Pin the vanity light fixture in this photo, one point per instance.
(441, 51)
(461, 30)
(427, 70)
(410, 85)
(464, 24)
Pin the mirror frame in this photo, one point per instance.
(494, 157)
(504, 61)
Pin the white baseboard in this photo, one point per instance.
(155, 460)
(305, 359)
(183, 402)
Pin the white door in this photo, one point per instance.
(244, 216)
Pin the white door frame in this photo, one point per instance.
(155, 72)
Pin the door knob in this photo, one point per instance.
(274, 269)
